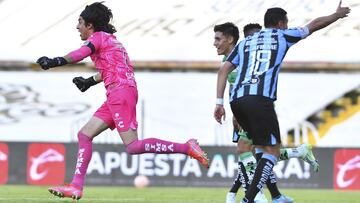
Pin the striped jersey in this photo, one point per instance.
(258, 59)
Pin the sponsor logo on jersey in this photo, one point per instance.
(4, 163)
(119, 120)
(45, 164)
(347, 169)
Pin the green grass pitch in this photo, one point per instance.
(23, 194)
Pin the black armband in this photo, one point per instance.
(91, 46)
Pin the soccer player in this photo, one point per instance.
(259, 57)
(119, 109)
(226, 36)
(225, 39)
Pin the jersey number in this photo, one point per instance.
(260, 59)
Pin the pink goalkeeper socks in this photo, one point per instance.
(150, 145)
(153, 145)
(83, 159)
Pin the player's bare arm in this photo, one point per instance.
(68, 59)
(223, 72)
(321, 22)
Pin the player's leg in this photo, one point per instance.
(250, 163)
(242, 178)
(247, 165)
(263, 128)
(85, 136)
(124, 103)
(303, 152)
(91, 129)
(159, 146)
(262, 172)
(276, 196)
(246, 158)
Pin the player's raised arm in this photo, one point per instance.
(73, 57)
(321, 22)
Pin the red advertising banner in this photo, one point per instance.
(4, 163)
(347, 169)
(45, 164)
(51, 164)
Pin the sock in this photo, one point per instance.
(244, 179)
(83, 159)
(271, 185)
(287, 153)
(240, 179)
(262, 173)
(271, 182)
(249, 163)
(153, 145)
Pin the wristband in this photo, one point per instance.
(94, 78)
(219, 101)
(91, 81)
(60, 61)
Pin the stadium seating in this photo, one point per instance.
(177, 30)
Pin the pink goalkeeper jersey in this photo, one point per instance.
(111, 60)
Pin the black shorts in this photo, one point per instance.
(257, 116)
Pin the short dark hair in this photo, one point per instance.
(273, 16)
(249, 28)
(228, 29)
(99, 16)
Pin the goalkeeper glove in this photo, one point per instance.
(47, 63)
(83, 84)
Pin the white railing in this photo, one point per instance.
(302, 132)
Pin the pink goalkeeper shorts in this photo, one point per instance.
(119, 110)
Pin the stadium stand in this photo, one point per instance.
(179, 30)
(337, 112)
